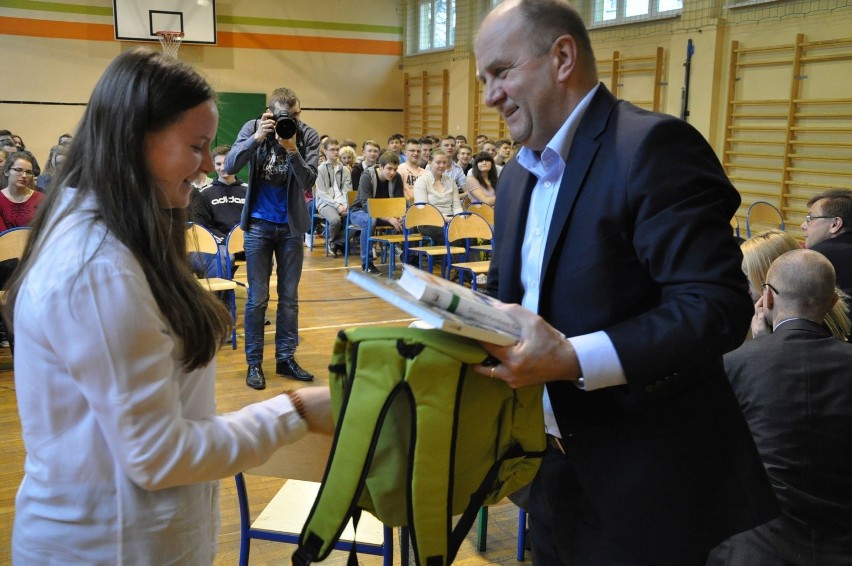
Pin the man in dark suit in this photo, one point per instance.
(612, 223)
(794, 384)
(828, 230)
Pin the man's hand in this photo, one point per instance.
(265, 126)
(288, 144)
(394, 221)
(541, 355)
(759, 326)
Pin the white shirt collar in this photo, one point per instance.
(560, 145)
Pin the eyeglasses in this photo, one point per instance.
(774, 290)
(808, 218)
(21, 171)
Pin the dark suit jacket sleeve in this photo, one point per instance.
(681, 203)
(640, 246)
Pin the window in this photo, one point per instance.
(435, 25)
(611, 12)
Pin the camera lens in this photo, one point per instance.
(285, 126)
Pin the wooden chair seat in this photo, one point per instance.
(216, 284)
(285, 515)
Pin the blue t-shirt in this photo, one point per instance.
(271, 203)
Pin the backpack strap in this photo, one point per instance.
(371, 388)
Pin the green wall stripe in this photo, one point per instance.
(222, 19)
(307, 24)
(58, 7)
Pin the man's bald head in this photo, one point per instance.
(805, 284)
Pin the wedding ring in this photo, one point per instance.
(493, 369)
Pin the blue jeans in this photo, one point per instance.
(207, 264)
(262, 240)
(362, 219)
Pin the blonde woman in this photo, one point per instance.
(348, 158)
(758, 254)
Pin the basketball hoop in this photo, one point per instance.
(170, 40)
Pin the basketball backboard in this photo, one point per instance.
(139, 20)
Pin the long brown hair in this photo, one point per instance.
(140, 92)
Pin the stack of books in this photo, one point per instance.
(442, 304)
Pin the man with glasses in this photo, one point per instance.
(794, 384)
(828, 230)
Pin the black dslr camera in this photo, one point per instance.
(285, 125)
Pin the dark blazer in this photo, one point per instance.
(640, 246)
(795, 389)
(838, 250)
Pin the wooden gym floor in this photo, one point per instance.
(327, 303)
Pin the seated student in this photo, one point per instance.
(490, 147)
(439, 190)
(760, 251)
(348, 158)
(504, 152)
(8, 147)
(484, 170)
(19, 201)
(464, 157)
(794, 384)
(453, 170)
(11, 143)
(380, 181)
(219, 205)
(333, 184)
(55, 159)
(427, 143)
(410, 171)
(18, 205)
(480, 139)
(395, 142)
(370, 151)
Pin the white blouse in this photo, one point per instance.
(445, 197)
(123, 446)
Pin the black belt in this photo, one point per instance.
(555, 443)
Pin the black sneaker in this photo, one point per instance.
(370, 268)
(289, 368)
(255, 378)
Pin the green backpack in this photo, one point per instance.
(420, 438)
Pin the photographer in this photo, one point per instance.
(283, 153)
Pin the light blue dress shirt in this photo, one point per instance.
(598, 359)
